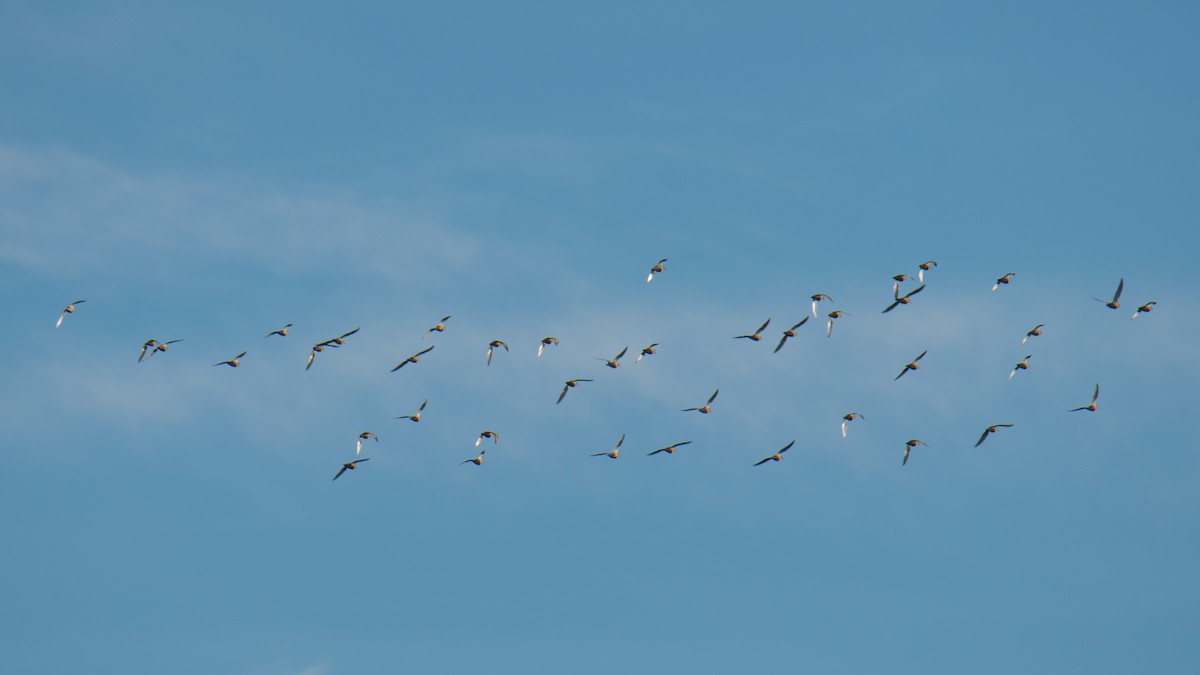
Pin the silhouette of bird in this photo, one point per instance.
(438, 327)
(1033, 332)
(908, 446)
(848, 418)
(789, 333)
(756, 335)
(924, 267)
(833, 316)
(234, 362)
(415, 358)
(362, 437)
(990, 430)
(69, 309)
(415, 417)
(1006, 279)
(281, 331)
(1115, 302)
(648, 351)
(614, 362)
(491, 346)
(818, 297)
(546, 342)
(1144, 308)
(351, 466)
(670, 449)
(1023, 364)
(487, 433)
(777, 456)
(903, 299)
(707, 407)
(614, 453)
(477, 460)
(658, 267)
(1091, 406)
(571, 384)
(912, 365)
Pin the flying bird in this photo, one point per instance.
(1033, 332)
(848, 418)
(756, 335)
(818, 297)
(833, 316)
(316, 349)
(155, 346)
(546, 342)
(1144, 308)
(281, 331)
(707, 407)
(487, 433)
(911, 365)
(789, 333)
(909, 445)
(777, 456)
(652, 349)
(570, 384)
(70, 309)
(477, 460)
(350, 465)
(1006, 279)
(1023, 364)
(903, 299)
(1091, 406)
(492, 345)
(614, 362)
(658, 267)
(148, 345)
(362, 437)
(896, 282)
(924, 267)
(233, 363)
(670, 449)
(415, 358)
(438, 327)
(989, 431)
(614, 453)
(341, 339)
(1115, 302)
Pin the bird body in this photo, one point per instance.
(493, 345)
(362, 437)
(546, 342)
(707, 407)
(477, 460)
(903, 299)
(989, 431)
(69, 309)
(670, 449)
(438, 327)
(487, 433)
(1033, 332)
(614, 362)
(615, 453)
(923, 268)
(648, 351)
(1093, 406)
(415, 358)
(756, 335)
(1023, 364)
(282, 331)
(1115, 302)
(912, 365)
(351, 466)
(908, 446)
(848, 418)
(777, 456)
(658, 267)
(1006, 279)
(1144, 308)
(233, 363)
(415, 417)
(833, 316)
(789, 333)
(570, 384)
(818, 297)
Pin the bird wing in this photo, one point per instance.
(781, 341)
(313, 354)
(622, 353)
(339, 473)
(890, 307)
(984, 436)
(762, 327)
(1120, 287)
(714, 396)
(914, 291)
(1096, 394)
(787, 447)
(764, 461)
(921, 356)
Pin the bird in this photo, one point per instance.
(1144, 308)
(833, 316)
(817, 297)
(756, 335)
(1115, 302)
(789, 333)
(350, 465)
(658, 267)
(647, 352)
(614, 453)
(546, 342)
(281, 331)
(670, 449)
(848, 418)
(70, 309)
(234, 362)
(1023, 364)
(148, 345)
(777, 456)
(903, 299)
(924, 267)
(362, 437)
(614, 362)
(1033, 332)
(912, 365)
(477, 460)
(707, 407)
(487, 433)
(341, 339)
(990, 430)
(317, 348)
(896, 282)
(1006, 279)
(415, 358)
(1091, 406)
(909, 445)
(492, 345)
(570, 384)
(438, 327)
(415, 417)
(158, 347)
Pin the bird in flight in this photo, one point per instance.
(233, 363)
(155, 346)
(350, 465)
(903, 299)
(477, 460)
(487, 433)
(670, 449)
(492, 345)
(756, 335)
(848, 418)
(570, 384)
(1033, 332)
(924, 267)
(1023, 364)
(789, 333)
(70, 309)
(896, 282)
(415, 358)
(777, 456)
(1115, 302)
(316, 349)
(341, 339)
(707, 407)
(362, 437)
(1091, 406)
(614, 453)
(989, 431)
(415, 417)
(282, 331)
(833, 316)
(658, 267)
(909, 445)
(148, 345)
(614, 362)
(546, 342)
(911, 365)
(1006, 279)
(818, 297)
(438, 327)
(648, 351)
(1144, 309)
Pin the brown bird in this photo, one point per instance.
(70, 309)
(670, 449)
(1115, 302)
(908, 446)
(1033, 332)
(438, 327)
(316, 349)
(1091, 406)
(658, 267)
(990, 430)
(817, 297)
(756, 335)
(912, 365)
(491, 346)
(350, 465)
(234, 362)
(341, 339)
(777, 456)
(834, 315)
(903, 299)
(571, 384)
(156, 346)
(281, 331)
(1006, 279)
(1022, 365)
(614, 453)
(896, 282)
(148, 345)
(789, 333)
(707, 407)
(362, 437)
(477, 460)
(848, 418)
(924, 267)
(546, 342)
(415, 417)
(648, 351)
(614, 362)
(415, 358)
(1144, 308)
(487, 433)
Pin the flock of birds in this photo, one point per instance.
(153, 346)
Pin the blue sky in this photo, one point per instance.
(211, 173)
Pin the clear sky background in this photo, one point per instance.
(212, 171)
